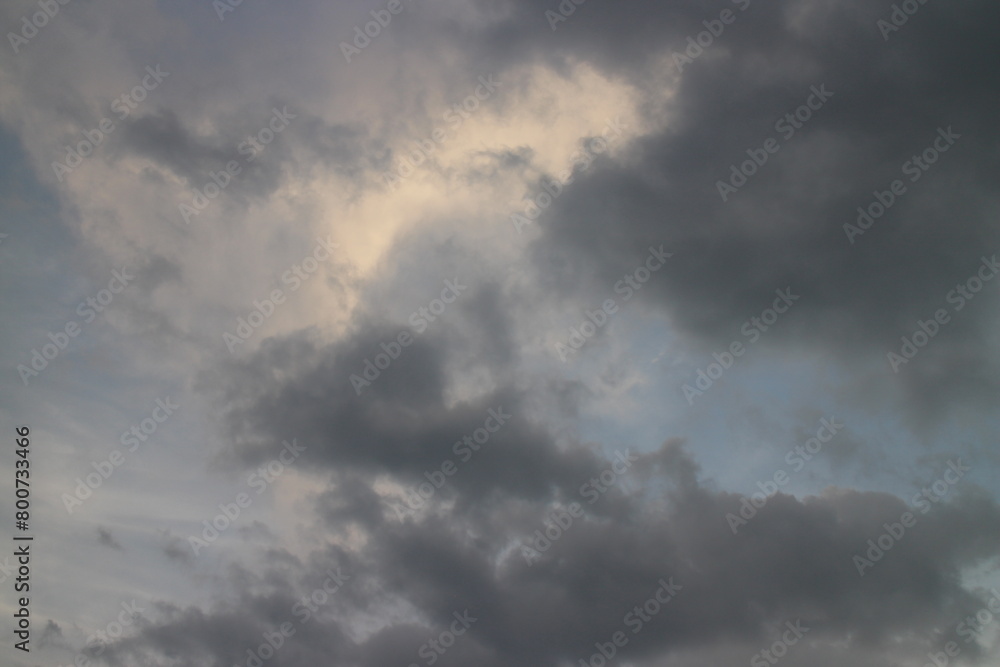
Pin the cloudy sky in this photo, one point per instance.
(502, 333)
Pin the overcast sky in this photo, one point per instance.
(502, 333)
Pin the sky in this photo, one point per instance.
(501, 333)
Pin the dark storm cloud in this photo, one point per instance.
(800, 554)
(401, 424)
(785, 227)
(792, 561)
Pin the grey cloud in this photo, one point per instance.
(106, 539)
(784, 228)
(793, 560)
